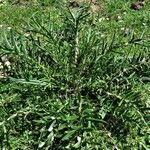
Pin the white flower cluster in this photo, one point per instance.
(4, 63)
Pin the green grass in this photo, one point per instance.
(75, 80)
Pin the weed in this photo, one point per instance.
(69, 88)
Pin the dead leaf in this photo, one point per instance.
(137, 5)
(73, 4)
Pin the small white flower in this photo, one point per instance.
(119, 17)
(4, 58)
(78, 138)
(143, 60)
(9, 28)
(120, 21)
(53, 118)
(1, 65)
(7, 63)
(122, 29)
(1, 25)
(101, 19)
(26, 34)
(102, 35)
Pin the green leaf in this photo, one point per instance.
(72, 118)
(68, 135)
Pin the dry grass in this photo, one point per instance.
(95, 6)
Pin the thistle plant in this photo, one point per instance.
(68, 88)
